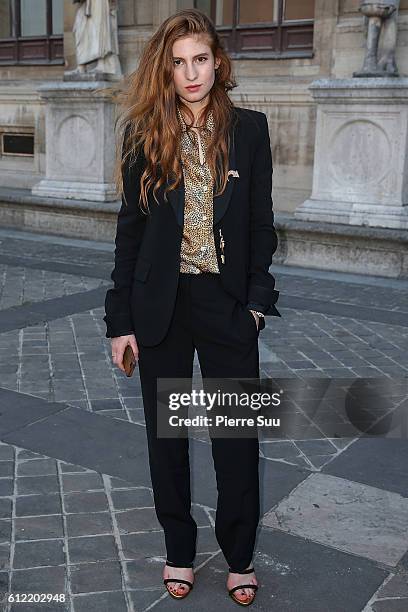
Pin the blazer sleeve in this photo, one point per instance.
(263, 237)
(129, 233)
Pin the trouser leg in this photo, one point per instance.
(169, 457)
(226, 338)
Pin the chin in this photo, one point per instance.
(194, 96)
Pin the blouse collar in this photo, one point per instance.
(209, 124)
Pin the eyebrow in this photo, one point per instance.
(198, 55)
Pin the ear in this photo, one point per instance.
(217, 62)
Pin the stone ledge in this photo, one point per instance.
(320, 245)
(24, 196)
(290, 223)
(342, 248)
(62, 217)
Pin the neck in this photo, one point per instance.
(197, 107)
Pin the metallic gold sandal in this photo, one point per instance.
(242, 586)
(181, 580)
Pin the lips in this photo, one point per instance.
(193, 87)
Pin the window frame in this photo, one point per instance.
(18, 50)
(280, 31)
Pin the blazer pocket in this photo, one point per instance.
(142, 269)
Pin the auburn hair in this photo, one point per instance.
(148, 122)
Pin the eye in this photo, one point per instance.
(202, 58)
(175, 62)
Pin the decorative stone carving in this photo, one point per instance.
(382, 16)
(79, 142)
(96, 41)
(361, 153)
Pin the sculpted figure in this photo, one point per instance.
(96, 38)
(382, 16)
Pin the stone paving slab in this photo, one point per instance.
(19, 410)
(390, 605)
(355, 311)
(36, 274)
(346, 515)
(397, 586)
(382, 463)
(40, 311)
(76, 435)
(391, 596)
(33, 281)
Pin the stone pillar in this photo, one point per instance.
(80, 145)
(360, 174)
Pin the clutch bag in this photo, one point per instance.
(129, 361)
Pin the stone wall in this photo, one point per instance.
(278, 87)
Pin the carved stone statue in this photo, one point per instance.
(382, 16)
(96, 40)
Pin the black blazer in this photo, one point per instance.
(147, 254)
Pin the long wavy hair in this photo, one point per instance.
(148, 122)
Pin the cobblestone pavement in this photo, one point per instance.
(77, 518)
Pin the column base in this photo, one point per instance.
(96, 192)
(353, 213)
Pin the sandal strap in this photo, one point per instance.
(170, 564)
(190, 584)
(247, 571)
(243, 586)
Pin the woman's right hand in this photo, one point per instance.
(119, 345)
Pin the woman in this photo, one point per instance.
(194, 244)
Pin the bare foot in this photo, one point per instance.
(243, 595)
(185, 573)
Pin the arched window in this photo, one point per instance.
(31, 31)
(263, 28)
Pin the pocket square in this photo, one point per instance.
(234, 173)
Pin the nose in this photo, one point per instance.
(191, 72)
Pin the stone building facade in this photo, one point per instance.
(278, 48)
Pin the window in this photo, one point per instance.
(31, 31)
(263, 28)
(17, 144)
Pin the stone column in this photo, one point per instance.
(80, 147)
(360, 174)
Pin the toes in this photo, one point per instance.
(245, 594)
(177, 588)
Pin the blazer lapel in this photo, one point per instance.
(176, 199)
(220, 202)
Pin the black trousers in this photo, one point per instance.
(225, 335)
